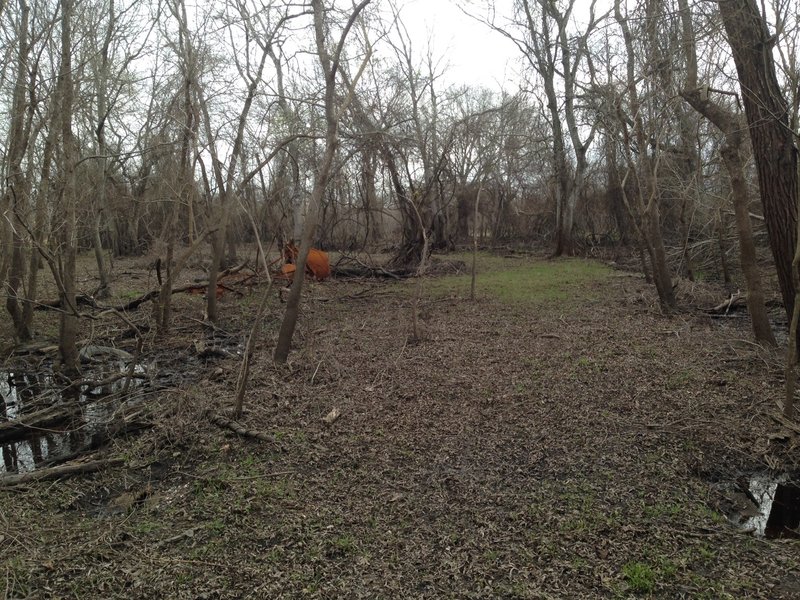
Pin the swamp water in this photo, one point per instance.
(91, 413)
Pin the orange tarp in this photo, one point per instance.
(318, 265)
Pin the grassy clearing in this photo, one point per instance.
(526, 281)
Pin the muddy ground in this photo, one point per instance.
(561, 439)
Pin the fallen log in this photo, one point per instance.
(86, 300)
(59, 472)
(45, 419)
(237, 428)
(354, 271)
(735, 301)
(128, 306)
(80, 299)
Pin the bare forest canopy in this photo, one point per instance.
(157, 127)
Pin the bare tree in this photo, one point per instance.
(330, 63)
(644, 167)
(16, 192)
(732, 127)
(555, 54)
(68, 331)
(774, 148)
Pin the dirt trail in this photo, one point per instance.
(561, 449)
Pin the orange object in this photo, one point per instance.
(318, 265)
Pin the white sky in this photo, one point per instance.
(476, 55)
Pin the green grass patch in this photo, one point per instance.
(523, 282)
(641, 577)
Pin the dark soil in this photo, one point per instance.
(568, 448)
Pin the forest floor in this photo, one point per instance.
(556, 438)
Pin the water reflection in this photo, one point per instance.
(22, 393)
(776, 509)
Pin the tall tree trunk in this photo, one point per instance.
(734, 165)
(647, 169)
(616, 204)
(102, 75)
(16, 197)
(163, 308)
(330, 65)
(40, 214)
(731, 126)
(773, 147)
(68, 330)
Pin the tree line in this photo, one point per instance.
(160, 127)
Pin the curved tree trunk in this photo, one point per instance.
(731, 126)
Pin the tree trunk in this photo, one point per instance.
(410, 253)
(731, 157)
(102, 76)
(647, 168)
(773, 147)
(330, 65)
(616, 204)
(68, 329)
(723, 250)
(15, 189)
(731, 126)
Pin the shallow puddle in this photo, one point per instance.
(771, 506)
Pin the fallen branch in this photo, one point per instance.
(225, 273)
(94, 383)
(226, 423)
(40, 420)
(59, 472)
(86, 300)
(83, 299)
(367, 271)
(788, 423)
(735, 301)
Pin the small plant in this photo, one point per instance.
(705, 553)
(344, 544)
(640, 577)
(217, 526)
(146, 527)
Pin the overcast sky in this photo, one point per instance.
(476, 55)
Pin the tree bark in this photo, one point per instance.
(647, 169)
(68, 326)
(731, 126)
(734, 165)
(773, 145)
(15, 195)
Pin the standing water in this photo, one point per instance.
(777, 507)
(86, 424)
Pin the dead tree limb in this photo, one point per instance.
(239, 429)
(59, 472)
(42, 420)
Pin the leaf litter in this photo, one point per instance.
(573, 448)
